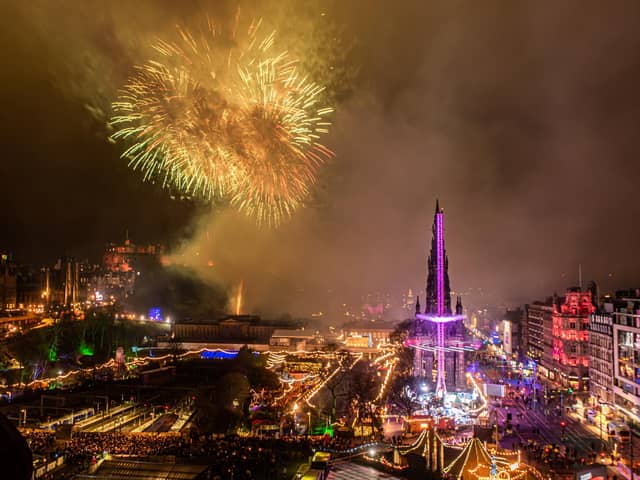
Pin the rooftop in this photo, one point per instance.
(291, 333)
(134, 470)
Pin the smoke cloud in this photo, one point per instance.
(522, 118)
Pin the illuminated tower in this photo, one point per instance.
(438, 290)
(439, 333)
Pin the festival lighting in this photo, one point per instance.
(440, 261)
(387, 377)
(440, 318)
(318, 387)
(310, 376)
(435, 348)
(480, 393)
(276, 357)
(383, 357)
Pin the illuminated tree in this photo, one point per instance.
(401, 331)
(403, 396)
(364, 387)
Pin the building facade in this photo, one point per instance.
(511, 330)
(8, 283)
(60, 284)
(601, 356)
(570, 339)
(233, 329)
(558, 337)
(538, 318)
(122, 265)
(626, 355)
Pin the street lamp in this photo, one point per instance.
(600, 411)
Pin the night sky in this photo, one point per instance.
(522, 117)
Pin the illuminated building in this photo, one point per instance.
(127, 256)
(626, 355)
(60, 284)
(438, 333)
(538, 317)
(510, 330)
(614, 355)
(231, 332)
(8, 282)
(601, 355)
(408, 302)
(366, 334)
(570, 332)
(122, 264)
(71, 281)
(557, 332)
(375, 305)
(291, 339)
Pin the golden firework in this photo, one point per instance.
(216, 116)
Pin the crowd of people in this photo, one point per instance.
(91, 444)
(240, 458)
(41, 442)
(555, 457)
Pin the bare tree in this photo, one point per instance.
(403, 396)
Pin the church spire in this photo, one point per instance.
(438, 293)
(459, 305)
(418, 305)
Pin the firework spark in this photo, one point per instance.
(239, 298)
(220, 117)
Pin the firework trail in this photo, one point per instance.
(221, 117)
(239, 298)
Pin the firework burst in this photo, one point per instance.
(217, 116)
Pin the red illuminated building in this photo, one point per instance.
(570, 339)
(123, 258)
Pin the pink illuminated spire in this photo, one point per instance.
(440, 262)
(438, 300)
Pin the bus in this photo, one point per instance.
(305, 472)
(620, 431)
(317, 469)
(320, 463)
(313, 474)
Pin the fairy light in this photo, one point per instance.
(383, 357)
(275, 358)
(514, 470)
(480, 393)
(317, 388)
(383, 387)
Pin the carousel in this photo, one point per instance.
(477, 462)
